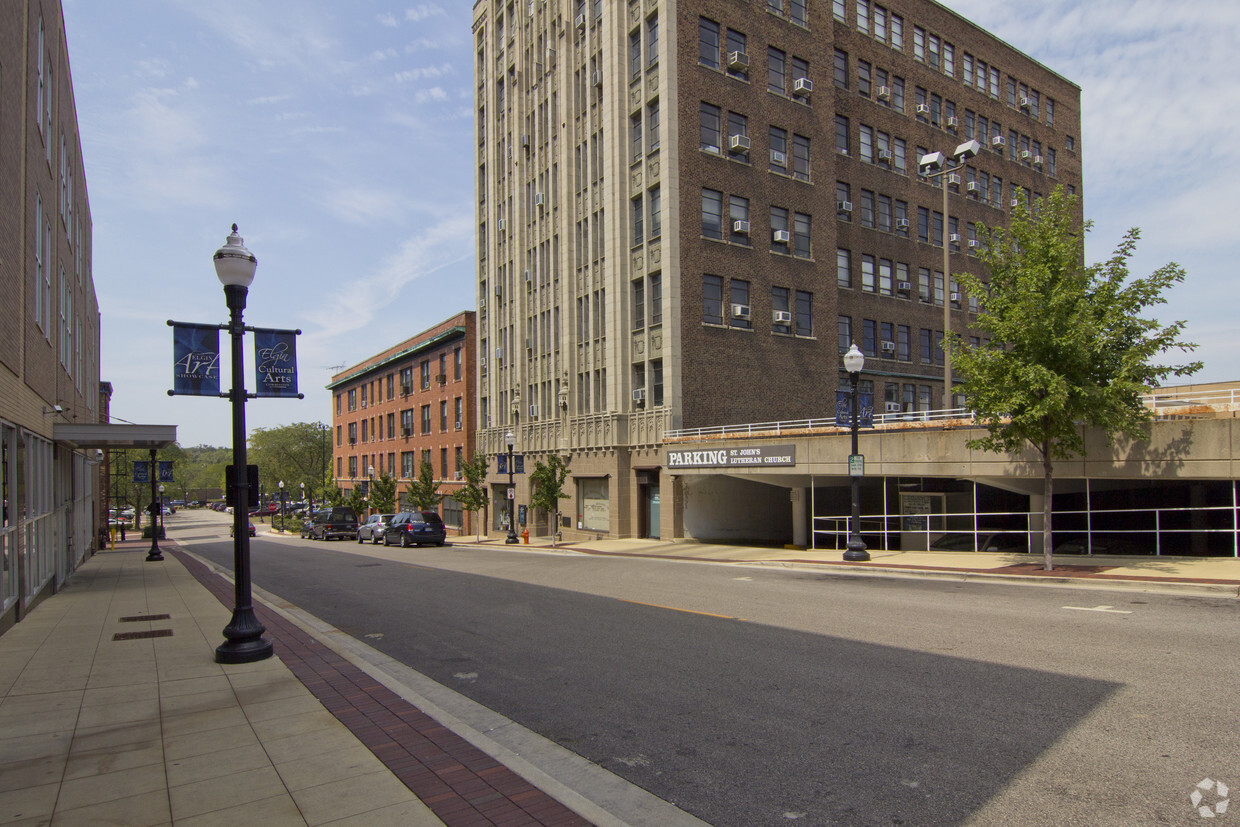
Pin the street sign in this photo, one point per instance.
(856, 465)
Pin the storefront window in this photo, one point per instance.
(593, 505)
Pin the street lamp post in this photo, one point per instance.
(154, 555)
(854, 361)
(281, 506)
(927, 165)
(161, 509)
(370, 488)
(512, 525)
(235, 265)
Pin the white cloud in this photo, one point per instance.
(435, 93)
(442, 70)
(424, 11)
(387, 20)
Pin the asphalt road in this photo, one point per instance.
(754, 696)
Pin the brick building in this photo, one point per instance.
(689, 210)
(408, 404)
(49, 317)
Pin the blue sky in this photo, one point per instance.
(338, 136)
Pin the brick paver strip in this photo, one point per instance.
(462, 785)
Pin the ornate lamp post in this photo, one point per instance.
(512, 525)
(281, 506)
(235, 265)
(370, 487)
(154, 555)
(854, 361)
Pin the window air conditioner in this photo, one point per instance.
(740, 227)
(781, 236)
(1026, 155)
(405, 431)
(740, 311)
(1024, 101)
(525, 139)
(533, 412)
(889, 347)
(952, 122)
(802, 86)
(639, 395)
(781, 317)
(503, 224)
(955, 297)
(974, 244)
(538, 199)
(901, 223)
(598, 77)
(1015, 202)
(1037, 160)
(528, 276)
(405, 390)
(456, 475)
(904, 286)
(884, 156)
(499, 354)
(529, 342)
(580, 23)
(778, 158)
(738, 61)
(894, 407)
(884, 93)
(972, 186)
(739, 143)
(954, 238)
(953, 180)
(843, 206)
(923, 109)
(997, 141)
(482, 361)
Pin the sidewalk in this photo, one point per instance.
(113, 711)
(1194, 575)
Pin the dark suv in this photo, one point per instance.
(415, 528)
(339, 521)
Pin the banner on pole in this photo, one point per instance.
(843, 409)
(141, 470)
(165, 471)
(275, 360)
(195, 359)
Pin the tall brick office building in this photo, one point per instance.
(409, 404)
(689, 210)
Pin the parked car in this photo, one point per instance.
(232, 530)
(1101, 544)
(1000, 541)
(373, 528)
(415, 528)
(337, 522)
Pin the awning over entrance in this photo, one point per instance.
(114, 436)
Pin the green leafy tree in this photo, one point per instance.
(472, 495)
(355, 500)
(1068, 347)
(423, 490)
(296, 453)
(383, 493)
(333, 495)
(548, 489)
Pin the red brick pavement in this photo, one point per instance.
(462, 785)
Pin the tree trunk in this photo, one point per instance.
(1047, 486)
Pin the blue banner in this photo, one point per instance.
(275, 360)
(141, 471)
(165, 471)
(843, 409)
(195, 360)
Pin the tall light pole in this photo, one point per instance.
(161, 508)
(370, 488)
(154, 555)
(235, 265)
(281, 506)
(854, 361)
(512, 524)
(935, 165)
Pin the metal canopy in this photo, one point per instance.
(114, 436)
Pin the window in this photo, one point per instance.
(736, 44)
(738, 211)
(798, 12)
(867, 209)
(656, 381)
(353, 399)
(841, 68)
(778, 141)
(710, 126)
(843, 268)
(869, 281)
(635, 136)
(712, 300)
(885, 278)
(739, 296)
(864, 78)
(844, 328)
(863, 16)
(780, 310)
(804, 316)
(712, 214)
(919, 43)
(903, 344)
(897, 32)
(866, 143)
(779, 227)
(443, 416)
(652, 126)
(775, 69)
(800, 157)
(426, 377)
(708, 43)
(652, 40)
(638, 223)
(456, 369)
(635, 55)
(801, 235)
(738, 125)
(841, 134)
(869, 337)
(655, 202)
(837, 9)
(426, 419)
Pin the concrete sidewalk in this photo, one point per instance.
(113, 711)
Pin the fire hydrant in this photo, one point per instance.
(525, 536)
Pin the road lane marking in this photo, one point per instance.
(1106, 609)
(677, 609)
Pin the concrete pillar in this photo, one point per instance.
(800, 533)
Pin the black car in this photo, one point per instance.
(415, 528)
(232, 530)
(338, 521)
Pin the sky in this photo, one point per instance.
(339, 138)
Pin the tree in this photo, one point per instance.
(473, 495)
(296, 453)
(423, 489)
(383, 493)
(355, 500)
(547, 481)
(1068, 348)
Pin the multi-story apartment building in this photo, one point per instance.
(409, 404)
(49, 317)
(687, 211)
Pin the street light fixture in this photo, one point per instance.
(154, 555)
(281, 506)
(854, 361)
(512, 525)
(234, 266)
(927, 166)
